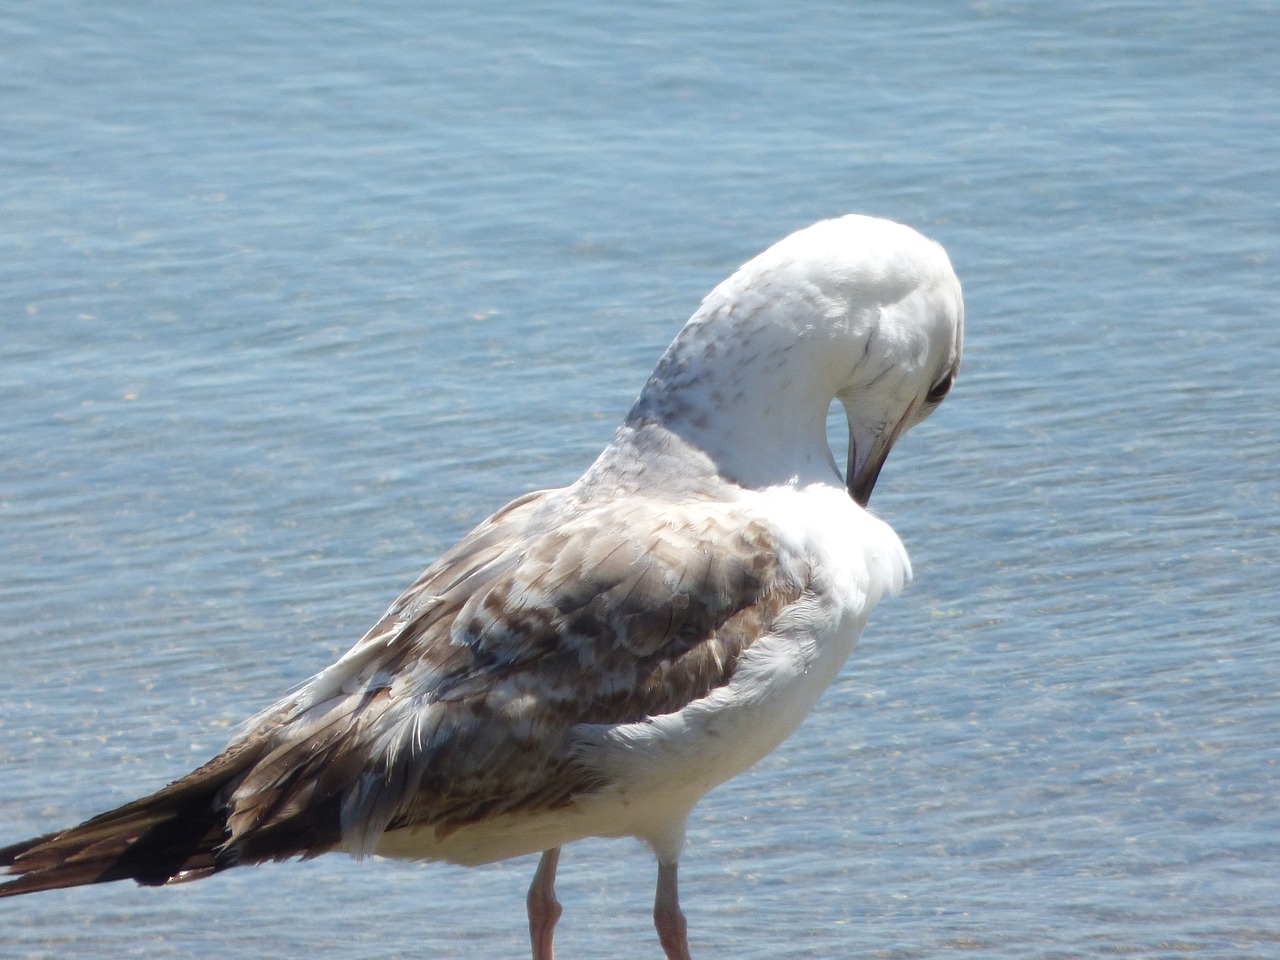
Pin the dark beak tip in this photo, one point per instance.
(860, 482)
(861, 493)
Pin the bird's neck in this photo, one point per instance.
(746, 404)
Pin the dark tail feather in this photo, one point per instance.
(175, 834)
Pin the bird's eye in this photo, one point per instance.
(940, 389)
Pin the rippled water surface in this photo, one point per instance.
(293, 294)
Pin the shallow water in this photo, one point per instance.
(292, 296)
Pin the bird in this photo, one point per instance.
(591, 660)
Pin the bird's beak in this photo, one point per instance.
(866, 457)
(864, 467)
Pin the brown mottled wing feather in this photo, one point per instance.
(460, 703)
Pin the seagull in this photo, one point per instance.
(591, 660)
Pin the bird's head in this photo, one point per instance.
(893, 317)
(857, 309)
(911, 357)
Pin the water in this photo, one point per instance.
(294, 294)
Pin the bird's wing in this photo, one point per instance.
(459, 704)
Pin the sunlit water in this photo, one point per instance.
(293, 294)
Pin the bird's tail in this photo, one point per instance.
(175, 834)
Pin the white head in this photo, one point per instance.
(858, 309)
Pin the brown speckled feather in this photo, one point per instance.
(459, 704)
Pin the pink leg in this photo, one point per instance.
(672, 929)
(544, 909)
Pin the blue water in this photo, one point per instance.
(293, 294)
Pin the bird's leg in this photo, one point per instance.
(544, 909)
(672, 929)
